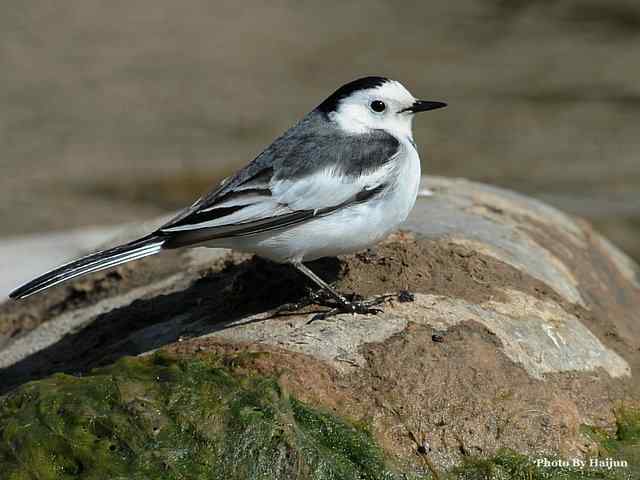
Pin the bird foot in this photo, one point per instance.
(353, 304)
(294, 306)
(361, 306)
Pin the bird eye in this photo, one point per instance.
(378, 106)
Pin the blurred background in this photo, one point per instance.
(118, 111)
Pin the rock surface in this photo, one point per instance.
(524, 327)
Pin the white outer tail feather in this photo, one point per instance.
(91, 263)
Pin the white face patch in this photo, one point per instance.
(362, 111)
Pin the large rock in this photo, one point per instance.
(524, 331)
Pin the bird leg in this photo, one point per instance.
(340, 304)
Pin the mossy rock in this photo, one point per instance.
(167, 418)
(524, 325)
(170, 418)
(616, 458)
(509, 465)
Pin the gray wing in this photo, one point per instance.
(312, 170)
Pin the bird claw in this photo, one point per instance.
(368, 307)
(356, 305)
(294, 306)
(362, 307)
(323, 315)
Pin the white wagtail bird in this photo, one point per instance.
(339, 181)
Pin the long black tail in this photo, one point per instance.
(143, 247)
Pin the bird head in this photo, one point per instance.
(375, 103)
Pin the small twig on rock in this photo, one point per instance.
(422, 446)
(461, 447)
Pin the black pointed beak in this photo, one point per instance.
(423, 106)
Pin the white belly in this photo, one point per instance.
(344, 231)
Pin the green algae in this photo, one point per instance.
(166, 418)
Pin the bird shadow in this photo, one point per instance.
(209, 304)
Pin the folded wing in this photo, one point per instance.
(293, 181)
